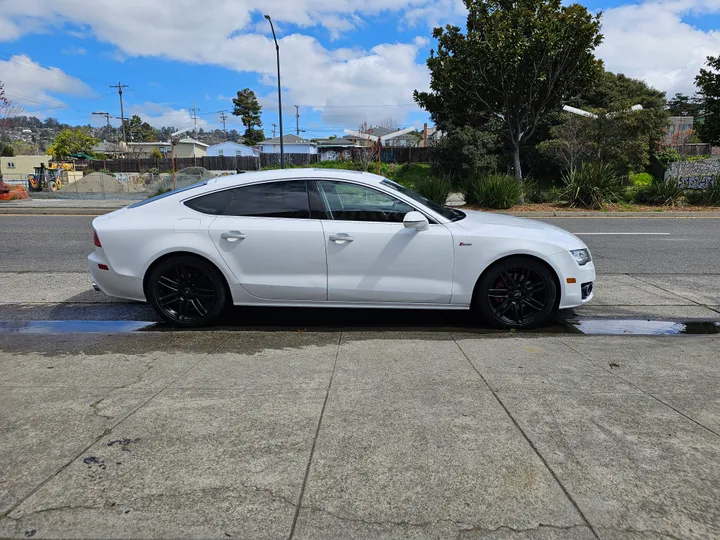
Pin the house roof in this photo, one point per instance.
(190, 140)
(232, 143)
(287, 139)
(107, 148)
(336, 142)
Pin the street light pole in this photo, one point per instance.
(277, 51)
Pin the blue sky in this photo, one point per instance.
(343, 61)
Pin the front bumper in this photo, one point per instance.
(581, 291)
(112, 283)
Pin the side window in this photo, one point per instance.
(352, 202)
(212, 203)
(273, 199)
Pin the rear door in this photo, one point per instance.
(373, 258)
(270, 242)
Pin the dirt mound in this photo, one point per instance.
(98, 182)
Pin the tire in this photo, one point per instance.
(187, 291)
(517, 292)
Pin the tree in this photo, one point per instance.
(571, 141)
(465, 151)
(708, 81)
(682, 105)
(156, 154)
(72, 141)
(8, 109)
(6, 150)
(22, 148)
(389, 123)
(516, 61)
(247, 107)
(139, 131)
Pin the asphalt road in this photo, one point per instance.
(619, 245)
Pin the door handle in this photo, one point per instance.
(233, 236)
(341, 238)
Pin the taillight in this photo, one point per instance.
(96, 240)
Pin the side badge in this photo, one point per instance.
(465, 244)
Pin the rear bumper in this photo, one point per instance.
(581, 291)
(112, 283)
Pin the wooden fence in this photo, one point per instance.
(251, 163)
(693, 149)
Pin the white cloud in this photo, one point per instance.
(240, 39)
(651, 42)
(34, 86)
(158, 115)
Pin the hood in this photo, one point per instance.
(501, 225)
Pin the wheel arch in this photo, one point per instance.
(543, 262)
(170, 255)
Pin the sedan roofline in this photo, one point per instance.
(279, 174)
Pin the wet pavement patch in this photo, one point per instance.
(615, 327)
(69, 327)
(393, 321)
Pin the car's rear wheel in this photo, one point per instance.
(517, 292)
(187, 291)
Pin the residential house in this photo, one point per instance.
(184, 148)
(337, 149)
(376, 131)
(18, 167)
(292, 143)
(231, 149)
(110, 149)
(680, 130)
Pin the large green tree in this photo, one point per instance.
(247, 107)
(139, 131)
(72, 141)
(708, 83)
(517, 60)
(683, 105)
(618, 135)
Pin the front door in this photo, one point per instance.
(273, 248)
(373, 258)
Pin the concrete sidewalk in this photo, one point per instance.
(349, 435)
(103, 206)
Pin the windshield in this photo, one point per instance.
(450, 213)
(167, 194)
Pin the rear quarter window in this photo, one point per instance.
(213, 203)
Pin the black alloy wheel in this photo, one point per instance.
(518, 292)
(187, 291)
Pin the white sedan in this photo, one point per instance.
(332, 238)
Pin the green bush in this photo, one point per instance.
(661, 192)
(592, 185)
(535, 194)
(710, 196)
(667, 155)
(435, 188)
(496, 191)
(641, 179)
(411, 172)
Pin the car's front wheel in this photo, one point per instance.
(517, 292)
(187, 291)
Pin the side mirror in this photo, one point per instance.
(415, 220)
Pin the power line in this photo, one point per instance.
(195, 118)
(223, 119)
(120, 87)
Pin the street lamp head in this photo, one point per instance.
(267, 17)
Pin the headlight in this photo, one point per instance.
(582, 256)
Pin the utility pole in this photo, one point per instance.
(223, 119)
(277, 52)
(274, 126)
(120, 87)
(195, 118)
(297, 120)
